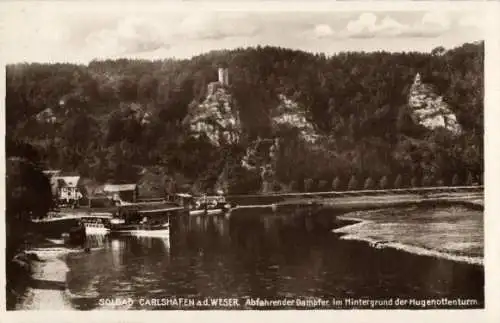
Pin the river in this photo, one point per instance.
(255, 253)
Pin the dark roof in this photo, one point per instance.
(119, 187)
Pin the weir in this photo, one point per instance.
(470, 195)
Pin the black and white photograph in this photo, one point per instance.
(198, 158)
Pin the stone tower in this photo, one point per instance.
(417, 80)
(223, 76)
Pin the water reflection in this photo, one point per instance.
(261, 253)
(95, 241)
(155, 243)
(117, 250)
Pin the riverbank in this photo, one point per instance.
(47, 289)
(454, 233)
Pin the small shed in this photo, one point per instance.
(123, 192)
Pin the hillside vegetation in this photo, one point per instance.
(352, 122)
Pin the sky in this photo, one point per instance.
(60, 33)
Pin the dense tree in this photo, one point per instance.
(368, 184)
(353, 183)
(426, 181)
(308, 184)
(470, 179)
(322, 185)
(398, 182)
(28, 190)
(383, 183)
(336, 184)
(28, 193)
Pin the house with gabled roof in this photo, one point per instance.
(65, 187)
(69, 188)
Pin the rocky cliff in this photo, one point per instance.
(262, 154)
(216, 117)
(428, 107)
(291, 115)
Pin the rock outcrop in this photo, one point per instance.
(261, 157)
(429, 109)
(46, 116)
(262, 154)
(289, 114)
(216, 118)
(139, 113)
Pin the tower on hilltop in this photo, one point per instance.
(223, 76)
(418, 79)
(223, 81)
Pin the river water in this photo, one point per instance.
(255, 253)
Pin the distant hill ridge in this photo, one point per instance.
(336, 118)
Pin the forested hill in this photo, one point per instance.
(119, 120)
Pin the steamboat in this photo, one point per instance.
(202, 205)
(143, 220)
(98, 224)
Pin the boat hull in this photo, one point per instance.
(141, 230)
(143, 233)
(207, 212)
(91, 230)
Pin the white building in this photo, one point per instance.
(64, 188)
(68, 188)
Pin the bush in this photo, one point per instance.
(276, 186)
(336, 184)
(470, 179)
(353, 183)
(266, 187)
(245, 182)
(383, 183)
(398, 182)
(308, 184)
(368, 184)
(426, 181)
(323, 185)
